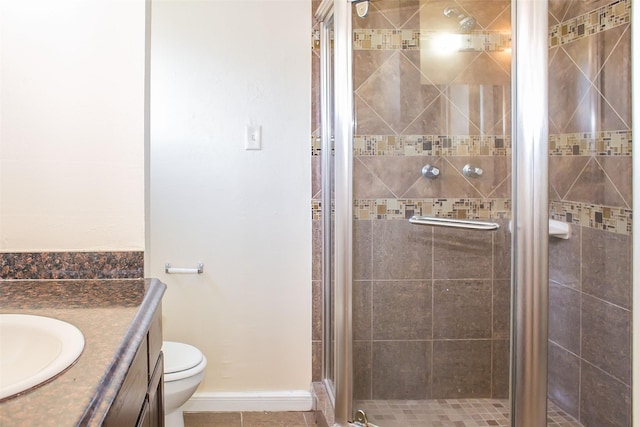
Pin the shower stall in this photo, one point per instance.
(472, 212)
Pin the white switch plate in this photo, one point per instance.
(253, 138)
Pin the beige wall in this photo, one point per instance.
(71, 125)
(216, 67)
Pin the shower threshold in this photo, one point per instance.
(450, 413)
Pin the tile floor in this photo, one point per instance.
(450, 413)
(388, 413)
(249, 419)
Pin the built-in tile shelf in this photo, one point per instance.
(558, 229)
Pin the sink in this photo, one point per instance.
(34, 349)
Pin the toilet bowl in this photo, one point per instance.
(183, 371)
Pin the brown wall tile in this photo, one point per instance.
(316, 178)
(501, 308)
(316, 250)
(564, 317)
(401, 250)
(564, 379)
(317, 311)
(362, 249)
(402, 310)
(462, 309)
(606, 337)
(500, 369)
(398, 173)
(566, 89)
(362, 370)
(461, 369)
(502, 251)
(618, 169)
(316, 360)
(606, 266)
(449, 184)
(564, 259)
(367, 185)
(594, 186)
(362, 306)
(604, 401)
(401, 369)
(461, 254)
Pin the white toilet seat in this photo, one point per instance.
(181, 361)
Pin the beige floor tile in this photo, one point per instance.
(273, 419)
(210, 419)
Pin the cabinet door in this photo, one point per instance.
(156, 394)
(125, 410)
(155, 339)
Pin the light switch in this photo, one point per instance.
(253, 138)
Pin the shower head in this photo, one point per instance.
(466, 22)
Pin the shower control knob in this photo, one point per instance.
(430, 172)
(471, 171)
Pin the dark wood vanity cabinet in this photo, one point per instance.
(140, 401)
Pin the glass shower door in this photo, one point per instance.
(431, 305)
(423, 317)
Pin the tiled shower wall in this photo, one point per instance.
(590, 188)
(431, 306)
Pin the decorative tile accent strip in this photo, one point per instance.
(616, 220)
(72, 265)
(446, 208)
(601, 19)
(378, 39)
(316, 145)
(432, 145)
(385, 39)
(606, 143)
(316, 209)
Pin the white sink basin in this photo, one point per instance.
(34, 349)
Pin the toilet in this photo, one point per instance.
(184, 369)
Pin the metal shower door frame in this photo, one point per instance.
(530, 211)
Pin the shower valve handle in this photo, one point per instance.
(472, 171)
(430, 172)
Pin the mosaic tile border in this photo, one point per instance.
(612, 219)
(316, 145)
(605, 143)
(72, 265)
(364, 209)
(601, 19)
(392, 39)
(432, 145)
(616, 220)
(316, 210)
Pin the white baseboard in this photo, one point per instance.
(271, 401)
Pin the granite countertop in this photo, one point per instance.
(113, 315)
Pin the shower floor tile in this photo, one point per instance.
(450, 413)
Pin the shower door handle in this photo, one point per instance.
(454, 223)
